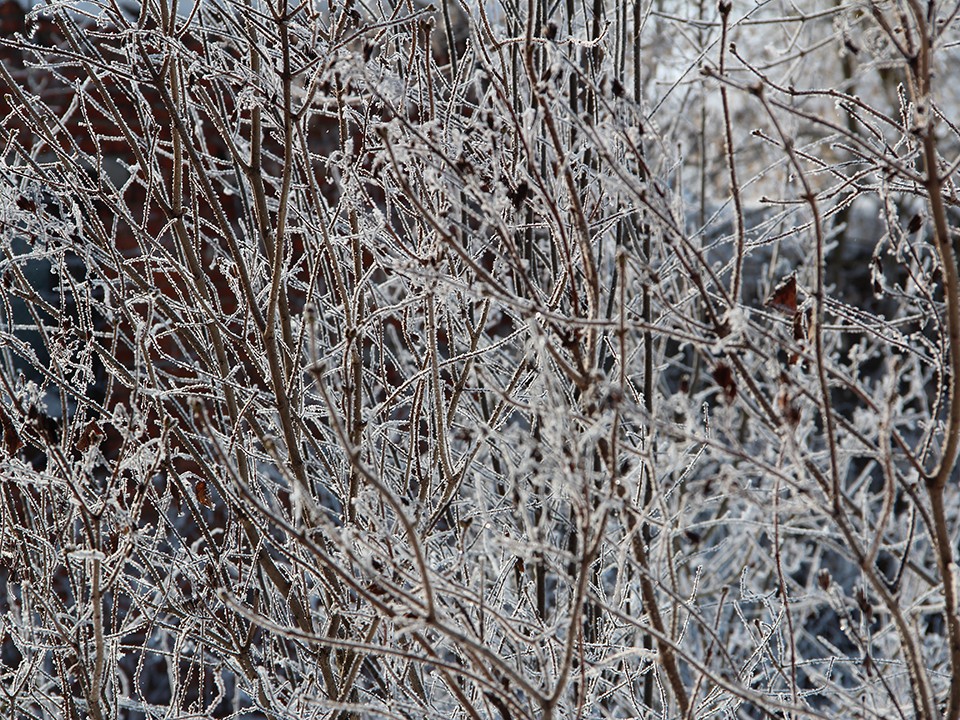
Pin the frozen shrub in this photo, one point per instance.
(479, 360)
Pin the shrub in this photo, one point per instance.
(480, 360)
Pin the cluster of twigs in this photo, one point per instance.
(528, 360)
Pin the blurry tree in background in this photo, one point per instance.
(516, 360)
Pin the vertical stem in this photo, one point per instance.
(920, 66)
(725, 6)
(451, 40)
(937, 482)
(96, 681)
(646, 312)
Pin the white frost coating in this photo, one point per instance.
(464, 510)
(85, 555)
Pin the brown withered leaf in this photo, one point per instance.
(202, 492)
(375, 588)
(823, 579)
(863, 602)
(788, 411)
(519, 196)
(784, 296)
(802, 331)
(47, 427)
(723, 376)
(27, 204)
(91, 436)
(799, 327)
(11, 440)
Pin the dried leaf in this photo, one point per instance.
(876, 277)
(802, 331)
(799, 327)
(91, 436)
(784, 297)
(11, 440)
(788, 411)
(47, 427)
(723, 376)
(520, 195)
(375, 588)
(863, 602)
(823, 579)
(26, 204)
(203, 493)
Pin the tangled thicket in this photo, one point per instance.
(516, 360)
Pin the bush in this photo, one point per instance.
(480, 360)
